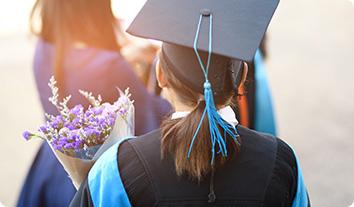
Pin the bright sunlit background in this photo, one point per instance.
(311, 72)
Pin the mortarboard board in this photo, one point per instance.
(238, 28)
(238, 25)
(193, 31)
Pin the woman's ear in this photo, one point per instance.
(160, 76)
(244, 74)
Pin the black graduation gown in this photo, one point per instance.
(264, 173)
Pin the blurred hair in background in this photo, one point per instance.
(66, 23)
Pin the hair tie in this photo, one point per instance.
(200, 100)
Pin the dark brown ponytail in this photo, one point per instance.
(178, 133)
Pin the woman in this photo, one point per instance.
(79, 44)
(200, 156)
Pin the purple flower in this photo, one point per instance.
(75, 137)
(88, 113)
(102, 121)
(76, 121)
(70, 126)
(92, 132)
(122, 111)
(61, 143)
(44, 129)
(97, 110)
(27, 135)
(57, 147)
(77, 145)
(77, 110)
(68, 146)
(111, 121)
(57, 122)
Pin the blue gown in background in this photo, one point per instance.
(264, 120)
(91, 69)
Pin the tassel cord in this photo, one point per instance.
(215, 120)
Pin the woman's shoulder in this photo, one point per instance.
(132, 167)
(272, 151)
(136, 145)
(254, 142)
(133, 153)
(84, 57)
(265, 143)
(283, 182)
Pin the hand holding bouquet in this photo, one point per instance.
(78, 136)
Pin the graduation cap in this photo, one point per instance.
(198, 35)
(237, 29)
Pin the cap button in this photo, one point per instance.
(205, 12)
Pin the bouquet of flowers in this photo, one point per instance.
(78, 136)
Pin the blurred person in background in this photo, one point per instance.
(257, 96)
(79, 43)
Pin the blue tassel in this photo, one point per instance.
(216, 123)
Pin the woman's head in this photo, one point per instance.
(186, 93)
(66, 21)
(71, 23)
